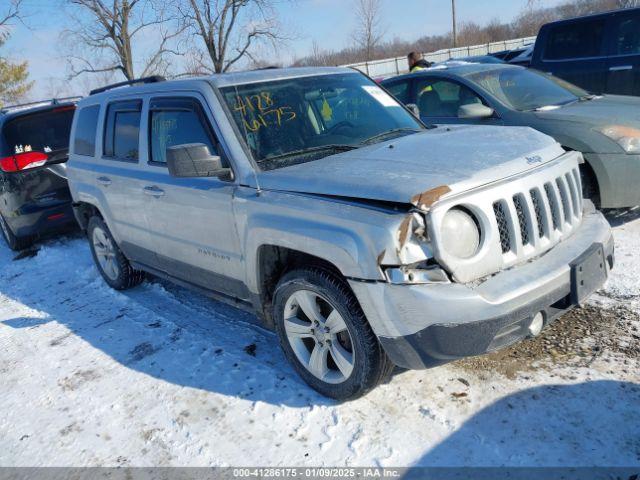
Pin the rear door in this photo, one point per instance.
(624, 49)
(190, 219)
(117, 174)
(576, 52)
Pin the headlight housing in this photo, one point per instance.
(627, 137)
(460, 233)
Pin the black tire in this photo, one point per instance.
(14, 242)
(371, 366)
(122, 276)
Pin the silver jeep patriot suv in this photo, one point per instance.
(312, 197)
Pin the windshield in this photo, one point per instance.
(302, 119)
(523, 89)
(45, 132)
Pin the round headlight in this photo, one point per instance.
(460, 233)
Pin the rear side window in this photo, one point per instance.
(626, 36)
(47, 132)
(85, 135)
(575, 40)
(177, 121)
(122, 130)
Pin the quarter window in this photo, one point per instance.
(85, 133)
(177, 122)
(626, 36)
(575, 40)
(122, 131)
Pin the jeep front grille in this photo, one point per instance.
(551, 210)
(520, 218)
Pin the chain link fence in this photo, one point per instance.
(398, 65)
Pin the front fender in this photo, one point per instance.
(348, 236)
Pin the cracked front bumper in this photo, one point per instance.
(425, 325)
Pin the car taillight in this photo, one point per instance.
(23, 161)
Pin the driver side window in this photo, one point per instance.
(442, 98)
(177, 121)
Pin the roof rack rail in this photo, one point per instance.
(51, 101)
(152, 79)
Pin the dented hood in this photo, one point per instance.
(458, 157)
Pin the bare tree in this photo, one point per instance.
(231, 29)
(627, 3)
(8, 15)
(106, 33)
(369, 32)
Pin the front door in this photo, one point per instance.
(191, 219)
(439, 101)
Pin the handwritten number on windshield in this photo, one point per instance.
(259, 111)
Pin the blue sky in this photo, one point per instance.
(328, 22)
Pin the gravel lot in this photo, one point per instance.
(161, 376)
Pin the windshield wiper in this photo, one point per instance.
(306, 151)
(389, 133)
(586, 98)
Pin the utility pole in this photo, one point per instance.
(453, 15)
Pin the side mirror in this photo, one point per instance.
(413, 108)
(194, 160)
(475, 111)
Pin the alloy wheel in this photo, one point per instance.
(105, 253)
(319, 336)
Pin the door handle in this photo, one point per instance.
(621, 68)
(153, 191)
(106, 181)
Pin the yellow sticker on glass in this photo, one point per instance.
(327, 112)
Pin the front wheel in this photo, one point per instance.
(325, 335)
(111, 262)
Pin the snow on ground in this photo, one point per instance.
(159, 376)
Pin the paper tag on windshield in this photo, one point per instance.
(380, 95)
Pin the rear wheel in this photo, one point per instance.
(111, 262)
(14, 242)
(325, 335)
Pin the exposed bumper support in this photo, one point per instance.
(423, 325)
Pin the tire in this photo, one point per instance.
(341, 347)
(14, 242)
(109, 259)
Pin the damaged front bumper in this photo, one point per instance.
(426, 325)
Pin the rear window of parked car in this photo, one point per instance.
(85, 134)
(45, 132)
(122, 130)
(575, 40)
